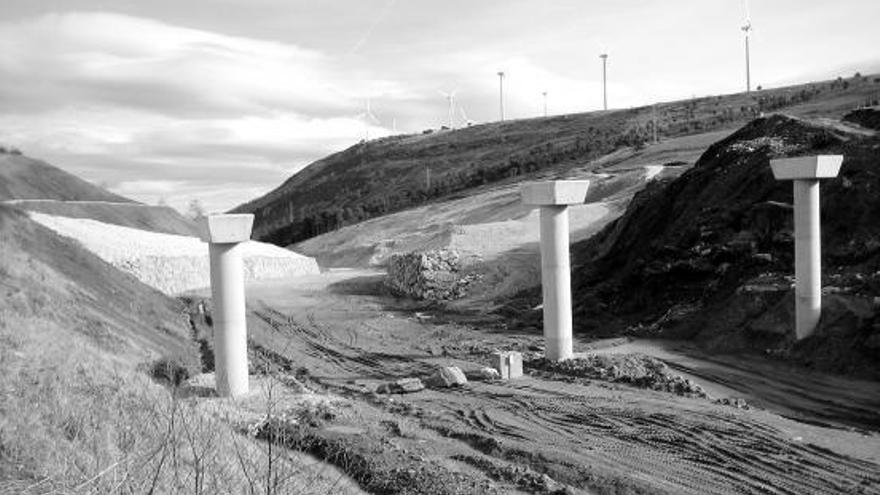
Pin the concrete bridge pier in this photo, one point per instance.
(806, 172)
(554, 197)
(224, 234)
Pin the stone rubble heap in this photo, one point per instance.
(448, 377)
(430, 275)
(634, 369)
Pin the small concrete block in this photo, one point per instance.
(554, 192)
(224, 229)
(508, 364)
(807, 167)
(514, 365)
(499, 362)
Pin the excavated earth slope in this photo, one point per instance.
(709, 255)
(172, 263)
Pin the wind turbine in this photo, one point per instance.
(368, 116)
(544, 94)
(747, 29)
(451, 98)
(501, 93)
(604, 58)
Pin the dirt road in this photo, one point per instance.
(539, 434)
(785, 389)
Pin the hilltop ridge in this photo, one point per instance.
(29, 184)
(22, 177)
(374, 178)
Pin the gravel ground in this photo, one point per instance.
(171, 263)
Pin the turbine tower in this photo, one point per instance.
(451, 98)
(501, 93)
(544, 94)
(746, 29)
(604, 58)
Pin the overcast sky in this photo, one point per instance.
(222, 100)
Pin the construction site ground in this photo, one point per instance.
(341, 334)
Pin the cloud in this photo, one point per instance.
(101, 58)
(133, 102)
(152, 106)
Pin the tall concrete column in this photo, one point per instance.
(554, 197)
(806, 172)
(224, 233)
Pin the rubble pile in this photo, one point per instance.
(429, 275)
(633, 369)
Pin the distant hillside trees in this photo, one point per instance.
(383, 176)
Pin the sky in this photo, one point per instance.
(170, 101)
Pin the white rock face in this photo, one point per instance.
(172, 263)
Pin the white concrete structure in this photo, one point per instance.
(224, 234)
(806, 172)
(508, 364)
(554, 197)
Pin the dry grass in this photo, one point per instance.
(75, 420)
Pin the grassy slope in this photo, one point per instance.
(25, 178)
(34, 185)
(386, 175)
(161, 219)
(47, 275)
(79, 414)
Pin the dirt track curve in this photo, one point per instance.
(539, 434)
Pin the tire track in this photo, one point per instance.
(719, 453)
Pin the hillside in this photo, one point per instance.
(391, 174)
(86, 358)
(171, 263)
(26, 178)
(47, 275)
(709, 255)
(34, 185)
(493, 223)
(162, 219)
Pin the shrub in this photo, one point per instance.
(174, 369)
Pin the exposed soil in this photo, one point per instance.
(545, 433)
(709, 256)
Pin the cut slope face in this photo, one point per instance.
(710, 254)
(26, 178)
(171, 263)
(392, 174)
